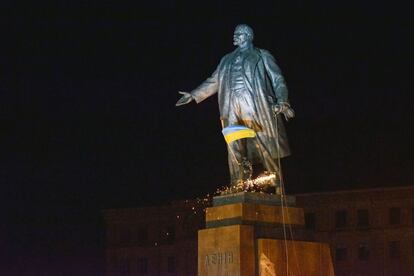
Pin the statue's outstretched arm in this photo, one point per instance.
(185, 98)
(206, 89)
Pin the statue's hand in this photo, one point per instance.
(185, 98)
(285, 109)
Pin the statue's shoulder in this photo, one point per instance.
(264, 53)
(226, 57)
(229, 54)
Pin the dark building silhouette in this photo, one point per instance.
(371, 232)
(158, 240)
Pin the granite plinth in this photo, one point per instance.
(226, 251)
(285, 258)
(254, 198)
(253, 214)
(245, 235)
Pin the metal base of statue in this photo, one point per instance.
(244, 235)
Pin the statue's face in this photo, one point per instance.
(239, 38)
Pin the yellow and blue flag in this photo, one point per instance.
(236, 132)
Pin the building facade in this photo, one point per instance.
(158, 240)
(371, 232)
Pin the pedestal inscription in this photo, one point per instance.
(226, 251)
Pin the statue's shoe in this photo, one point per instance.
(269, 189)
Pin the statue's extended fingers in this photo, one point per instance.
(179, 102)
(183, 100)
(290, 113)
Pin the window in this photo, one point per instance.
(341, 219)
(341, 253)
(412, 248)
(363, 252)
(125, 235)
(112, 234)
(395, 216)
(124, 266)
(142, 236)
(362, 218)
(310, 221)
(142, 265)
(412, 215)
(394, 249)
(169, 234)
(171, 264)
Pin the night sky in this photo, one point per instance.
(88, 116)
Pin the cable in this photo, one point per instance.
(283, 203)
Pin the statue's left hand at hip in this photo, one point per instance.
(285, 109)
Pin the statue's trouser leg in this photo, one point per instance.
(266, 158)
(236, 154)
(242, 109)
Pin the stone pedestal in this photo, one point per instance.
(244, 236)
(227, 250)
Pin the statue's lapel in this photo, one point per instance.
(249, 62)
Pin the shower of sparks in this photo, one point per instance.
(251, 185)
(256, 185)
(268, 179)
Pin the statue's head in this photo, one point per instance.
(242, 34)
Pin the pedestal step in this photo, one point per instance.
(256, 198)
(253, 214)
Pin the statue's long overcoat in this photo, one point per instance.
(263, 79)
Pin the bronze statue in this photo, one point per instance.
(252, 93)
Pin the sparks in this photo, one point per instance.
(251, 185)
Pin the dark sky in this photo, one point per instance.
(87, 94)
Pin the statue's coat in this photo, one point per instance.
(263, 79)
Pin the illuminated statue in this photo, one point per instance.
(252, 93)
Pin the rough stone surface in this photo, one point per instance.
(245, 236)
(275, 257)
(255, 198)
(254, 214)
(226, 250)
